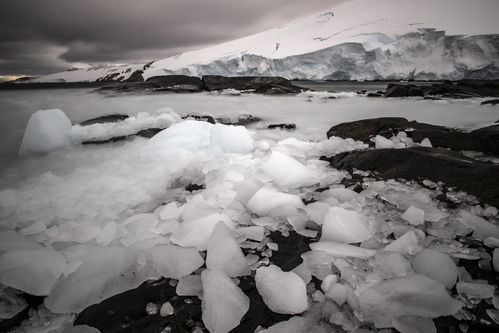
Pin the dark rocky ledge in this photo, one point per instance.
(459, 89)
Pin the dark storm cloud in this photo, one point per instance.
(42, 36)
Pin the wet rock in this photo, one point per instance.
(374, 95)
(490, 102)
(365, 129)
(148, 133)
(112, 118)
(194, 187)
(177, 83)
(477, 178)
(401, 90)
(242, 120)
(200, 117)
(111, 140)
(260, 84)
(136, 76)
(282, 126)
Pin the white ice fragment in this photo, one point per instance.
(414, 216)
(273, 246)
(232, 139)
(166, 310)
(414, 324)
(316, 211)
(294, 325)
(282, 292)
(342, 250)
(338, 293)
(426, 143)
(47, 130)
(328, 282)
(225, 254)
(196, 233)
(346, 226)
(170, 211)
(173, 261)
(32, 271)
(303, 272)
(436, 265)
(151, 308)
(339, 193)
(255, 233)
(12, 241)
(105, 272)
(266, 199)
(475, 290)
(491, 242)
(383, 143)
(190, 285)
(288, 172)
(413, 295)
(481, 227)
(139, 222)
(389, 265)
(318, 296)
(224, 304)
(407, 243)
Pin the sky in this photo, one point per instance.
(46, 36)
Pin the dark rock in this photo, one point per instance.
(490, 102)
(290, 249)
(199, 117)
(454, 169)
(194, 187)
(364, 129)
(374, 95)
(112, 118)
(402, 90)
(282, 126)
(136, 77)
(465, 89)
(260, 84)
(111, 140)
(242, 120)
(148, 133)
(33, 303)
(109, 78)
(177, 83)
(484, 140)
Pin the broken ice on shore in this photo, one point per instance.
(114, 217)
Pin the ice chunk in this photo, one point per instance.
(303, 272)
(345, 226)
(481, 228)
(282, 292)
(316, 211)
(382, 143)
(389, 265)
(170, 211)
(151, 308)
(407, 243)
(436, 265)
(266, 199)
(173, 261)
(342, 250)
(190, 285)
(189, 134)
(139, 222)
(338, 293)
(11, 241)
(225, 254)
(414, 216)
(413, 295)
(224, 304)
(288, 172)
(340, 193)
(166, 310)
(196, 233)
(255, 233)
(475, 290)
(328, 282)
(105, 272)
(414, 324)
(232, 139)
(293, 325)
(426, 143)
(47, 130)
(246, 189)
(32, 271)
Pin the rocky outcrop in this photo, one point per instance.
(459, 89)
(453, 168)
(112, 118)
(484, 140)
(260, 84)
(177, 83)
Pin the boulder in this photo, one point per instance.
(453, 168)
(282, 126)
(490, 102)
(260, 84)
(200, 117)
(111, 118)
(367, 128)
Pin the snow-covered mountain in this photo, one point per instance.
(360, 39)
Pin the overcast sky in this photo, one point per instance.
(46, 36)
